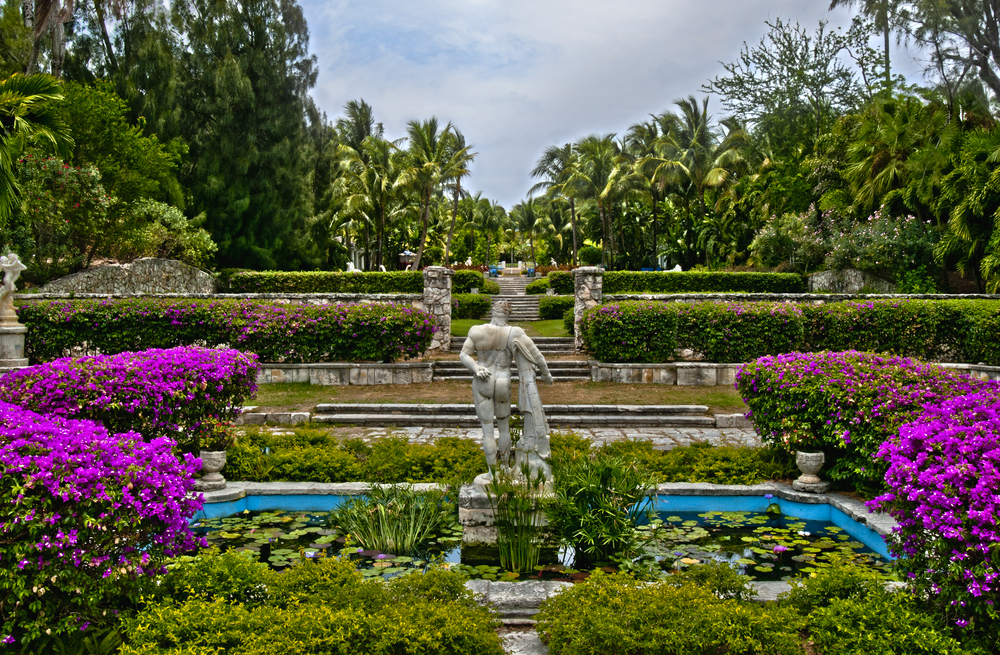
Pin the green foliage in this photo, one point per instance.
(163, 231)
(465, 281)
(843, 581)
(569, 320)
(562, 282)
(315, 607)
(327, 282)
(311, 455)
(599, 501)
(704, 462)
(470, 305)
(617, 614)
(539, 286)
(700, 282)
(275, 332)
(739, 332)
(720, 578)
(517, 499)
(590, 255)
(631, 331)
(394, 519)
(554, 307)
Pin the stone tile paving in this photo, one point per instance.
(662, 438)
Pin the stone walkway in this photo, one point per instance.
(662, 438)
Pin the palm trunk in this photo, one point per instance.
(572, 219)
(604, 234)
(108, 47)
(885, 25)
(424, 219)
(656, 259)
(368, 249)
(451, 228)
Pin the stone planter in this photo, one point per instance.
(810, 464)
(212, 462)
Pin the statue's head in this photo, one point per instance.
(501, 309)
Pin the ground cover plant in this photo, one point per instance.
(846, 404)
(154, 392)
(274, 332)
(86, 516)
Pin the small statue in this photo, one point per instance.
(408, 266)
(12, 268)
(497, 345)
(350, 267)
(381, 268)
(676, 269)
(468, 261)
(554, 264)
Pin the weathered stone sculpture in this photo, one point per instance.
(497, 345)
(12, 268)
(11, 331)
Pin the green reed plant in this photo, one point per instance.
(516, 498)
(393, 519)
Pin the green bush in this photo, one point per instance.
(274, 331)
(470, 305)
(554, 307)
(539, 286)
(569, 320)
(315, 607)
(314, 455)
(739, 332)
(634, 331)
(327, 282)
(704, 462)
(466, 281)
(700, 282)
(590, 255)
(562, 282)
(617, 614)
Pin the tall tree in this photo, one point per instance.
(593, 177)
(244, 75)
(883, 12)
(554, 169)
(460, 169)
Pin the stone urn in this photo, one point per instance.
(810, 464)
(212, 462)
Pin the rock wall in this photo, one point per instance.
(588, 284)
(849, 280)
(437, 302)
(147, 275)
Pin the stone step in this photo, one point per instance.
(555, 420)
(469, 408)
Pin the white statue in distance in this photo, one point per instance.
(12, 268)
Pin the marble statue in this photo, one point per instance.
(381, 268)
(554, 264)
(12, 268)
(350, 267)
(468, 261)
(497, 345)
(676, 269)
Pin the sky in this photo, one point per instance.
(516, 76)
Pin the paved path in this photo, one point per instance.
(662, 438)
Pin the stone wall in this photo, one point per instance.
(437, 302)
(848, 281)
(343, 374)
(147, 275)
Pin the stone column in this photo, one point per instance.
(589, 285)
(437, 301)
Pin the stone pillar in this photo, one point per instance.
(589, 285)
(437, 301)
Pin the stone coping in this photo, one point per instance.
(794, 297)
(237, 489)
(26, 297)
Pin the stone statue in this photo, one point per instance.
(381, 268)
(498, 345)
(12, 268)
(554, 264)
(350, 267)
(468, 261)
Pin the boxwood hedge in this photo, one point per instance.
(553, 307)
(466, 281)
(470, 305)
(326, 282)
(697, 281)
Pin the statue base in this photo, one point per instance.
(12, 347)
(475, 512)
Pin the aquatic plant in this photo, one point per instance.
(392, 519)
(516, 498)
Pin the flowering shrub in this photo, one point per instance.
(153, 392)
(634, 331)
(699, 281)
(943, 479)
(844, 403)
(275, 332)
(739, 332)
(84, 516)
(327, 282)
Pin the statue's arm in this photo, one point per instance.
(468, 350)
(535, 356)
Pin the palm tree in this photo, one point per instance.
(490, 218)
(641, 141)
(27, 116)
(592, 177)
(555, 168)
(460, 170)
(432, 161)
(527, 221)
(357, 124)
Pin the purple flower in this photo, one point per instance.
(780, 549)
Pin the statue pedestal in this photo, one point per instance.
(476, 514)
(12, 347)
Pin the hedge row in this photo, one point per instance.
(470, 305)
(275, 332)
(700, 282)
(650, 331)
(326, 282)
(466, 281)
(553, 307)
(561, 281)
(537, 287)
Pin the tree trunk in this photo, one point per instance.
(368, 249)
(108, 47)
(885, 26)
(604, 235)
(572, 219)
(451, 228)
(381, 239)
(424, 219)
(656, 259)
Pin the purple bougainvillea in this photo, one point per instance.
(85, 517)
(153, 392)
(944, 490)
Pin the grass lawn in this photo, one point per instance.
(302, 397)
(554, 328)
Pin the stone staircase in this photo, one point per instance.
(513, 285)
(565, 371)
(522, 308)
(546, 345)
(559, 416)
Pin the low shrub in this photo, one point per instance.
(943, 475)
(617, 614)
(275, 332)
(563, 282)
(85, 518)
(845, 404)
(739, 332)
(540, 285)
(701, 282)
(153, 392)
(634, 331)
(326, 282)
(470, 305)
(703, 462)
(554, 307)
(315, 607)
(569, 321)
(590, 255)
(466, 281)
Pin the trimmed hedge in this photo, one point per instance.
(275, 332)
(943, 330)
(326, 282)
(569, 321)
(701, 282)
(553, 307)
(562, 282)
(470, 305)
(537, 287)
(635, 331)
(465, 281)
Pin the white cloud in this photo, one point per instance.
(519, 75)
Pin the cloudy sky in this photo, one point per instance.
(519, 75)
